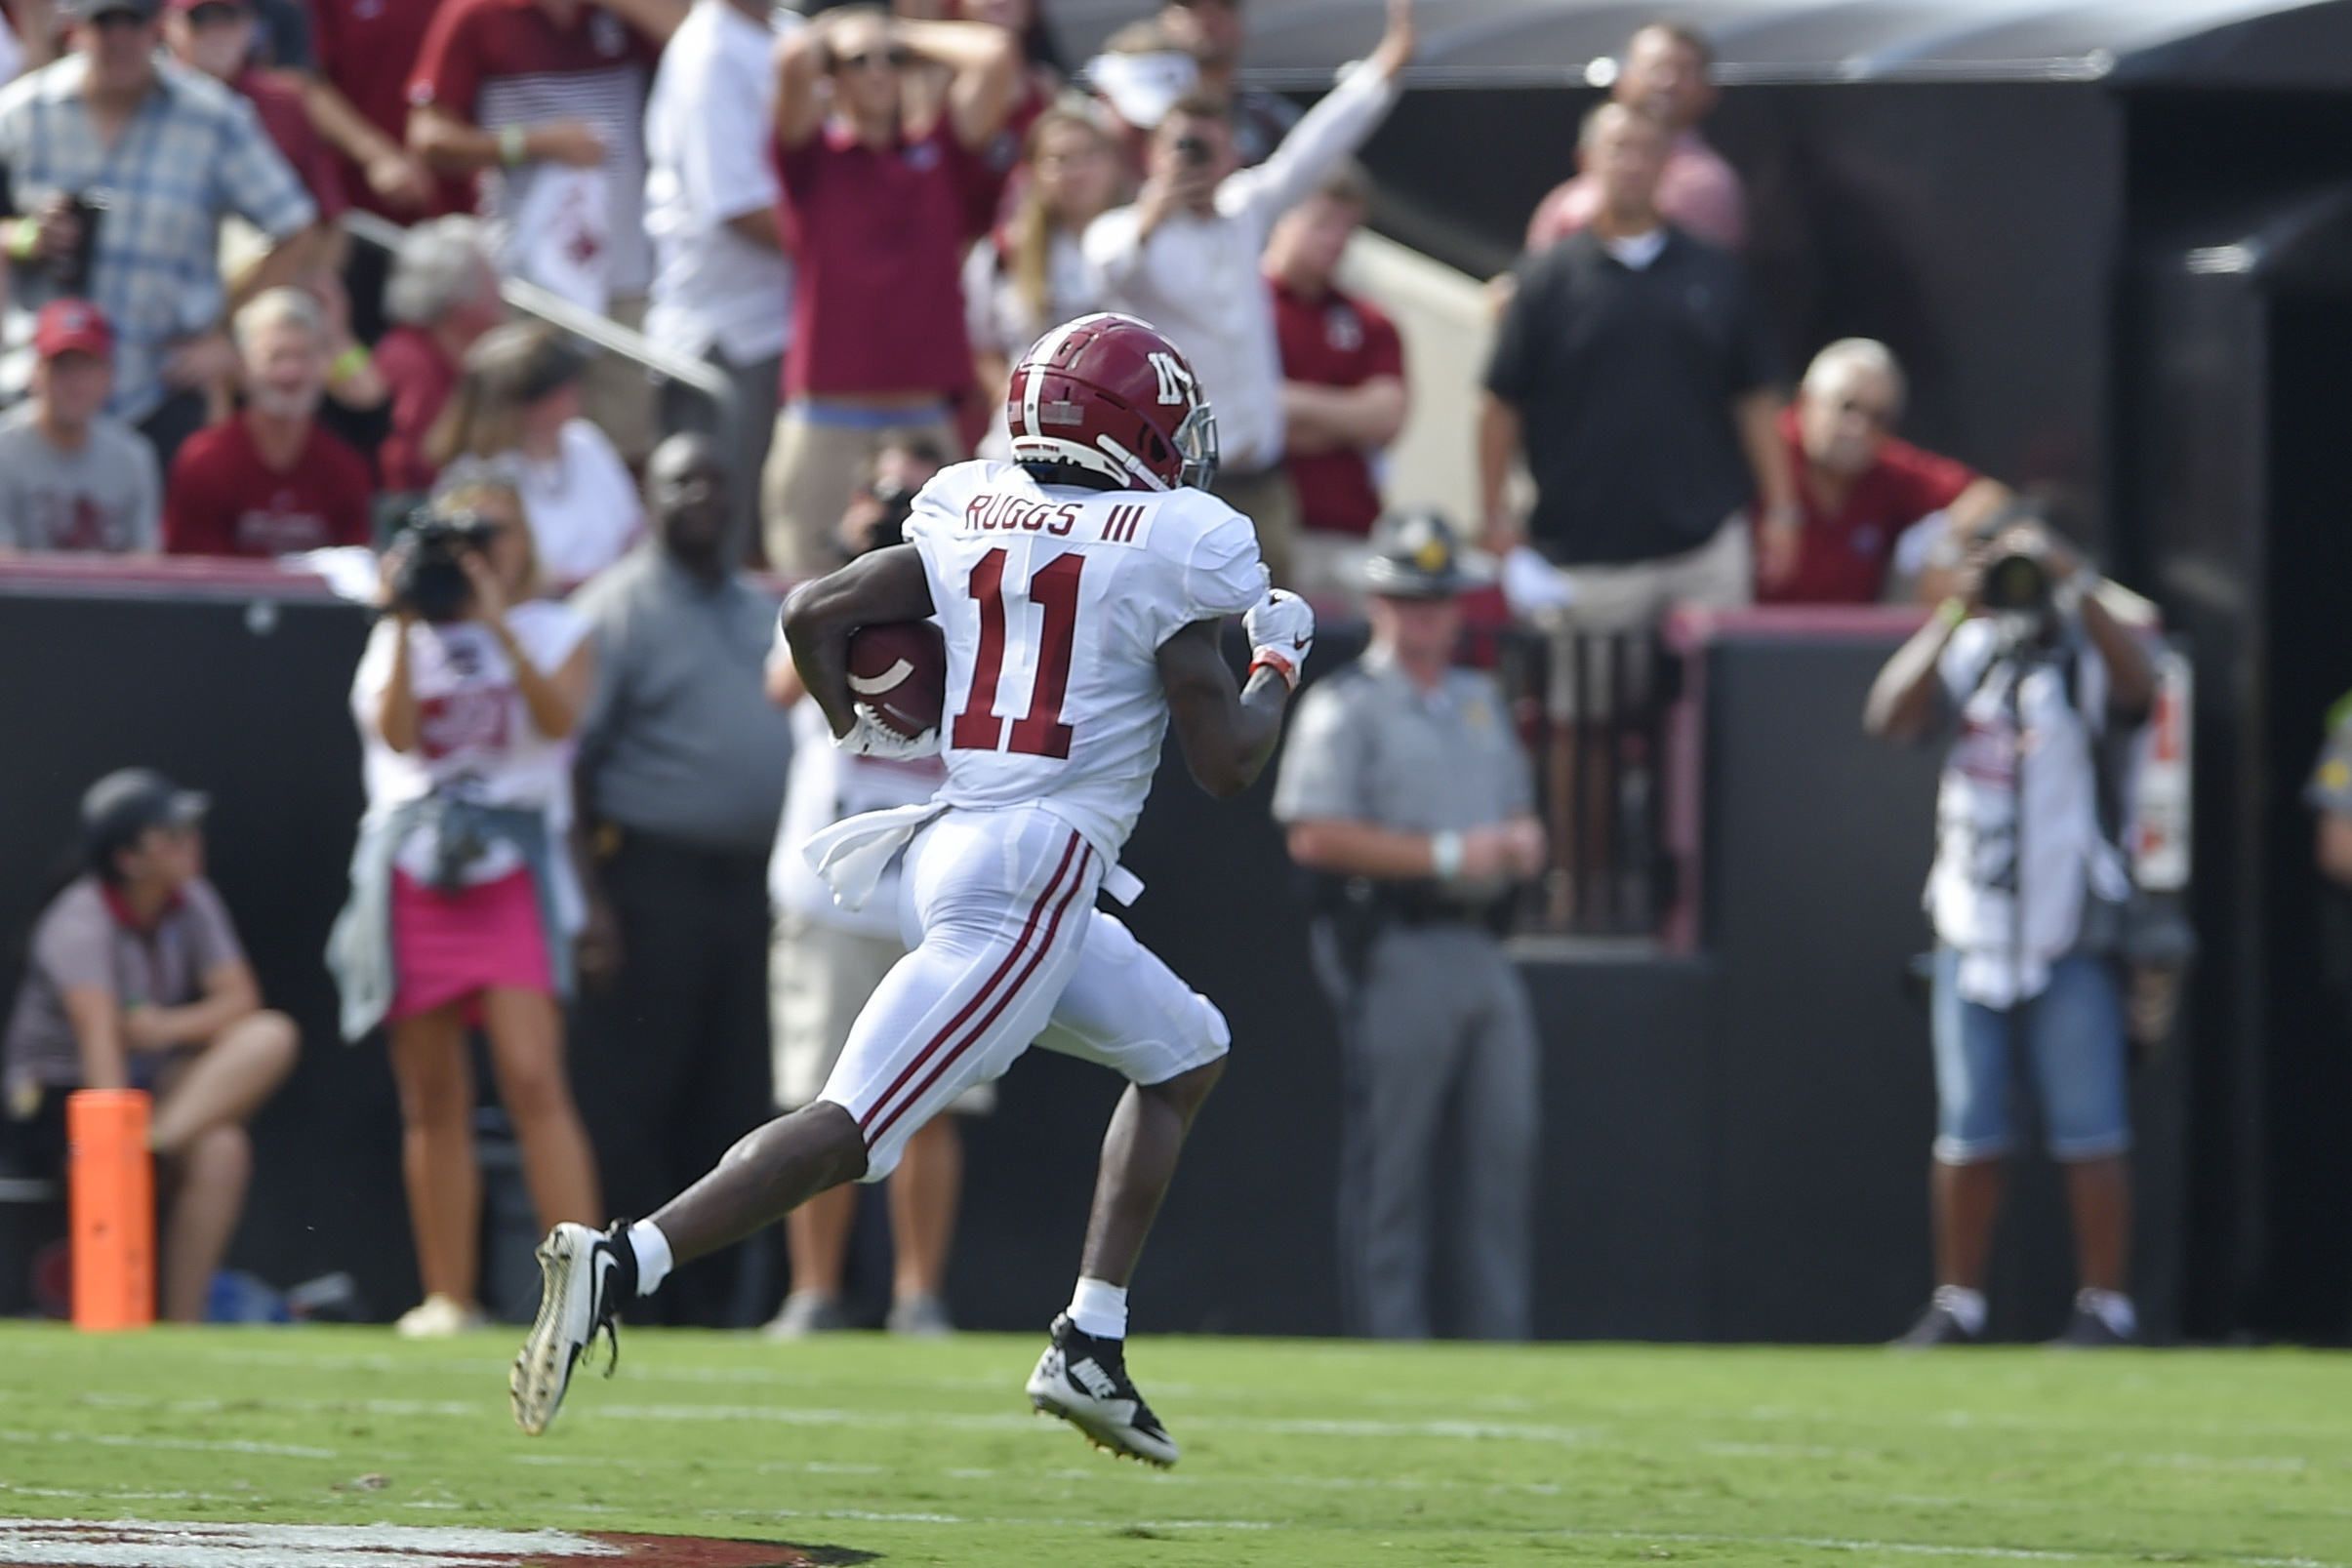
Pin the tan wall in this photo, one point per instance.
(1442, 316)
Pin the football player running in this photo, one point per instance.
(1080, 589)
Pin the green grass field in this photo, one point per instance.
(1307, 1454)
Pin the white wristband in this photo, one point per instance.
(1445, 854)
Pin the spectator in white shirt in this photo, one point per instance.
(1021, 283)
(1185, 257)
(722, 282)
(515, 415)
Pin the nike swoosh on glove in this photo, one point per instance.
(870, 736)
(1281, 633)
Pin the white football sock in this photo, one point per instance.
(652, 1248)
(2111, 1308)
(1099, 1308)
(1965, 1306)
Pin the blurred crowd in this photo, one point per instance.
(580, 743)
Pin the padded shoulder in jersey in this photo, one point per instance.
(939, 506)
(1215, 550)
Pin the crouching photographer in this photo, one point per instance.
(464, 904)
(2021, 677)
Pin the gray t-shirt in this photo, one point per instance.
(83, 939)
(1369, 746)
(679, 738)
(104, 498)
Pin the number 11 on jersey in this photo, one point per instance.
(1040, 732)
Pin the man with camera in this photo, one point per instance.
(2024, 675)
(1184, 257)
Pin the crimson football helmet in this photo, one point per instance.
(1111, 394)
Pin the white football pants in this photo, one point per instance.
(1005, 947)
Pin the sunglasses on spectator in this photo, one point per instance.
(118, 18)
(1877, 413)
(869, 59)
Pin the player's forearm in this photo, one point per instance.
(1259, 729)
(818, 635)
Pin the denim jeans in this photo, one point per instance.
(2072, 1036)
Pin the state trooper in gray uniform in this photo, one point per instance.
(1405, 790)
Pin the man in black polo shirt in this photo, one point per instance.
(1635, 371)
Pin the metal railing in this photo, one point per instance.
(545, 304)
(1593, 709)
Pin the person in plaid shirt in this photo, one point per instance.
(162, 154)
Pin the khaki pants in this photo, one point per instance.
(814, 468)
(617, 395)
(1268, 501)
(1634, 596)
(1719, 575)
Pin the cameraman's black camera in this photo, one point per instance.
(431, 579)
(2017, 582)
(1192, 150)
(894, 504)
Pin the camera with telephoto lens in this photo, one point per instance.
(895, 504)
(429, 579)
(2017, 582)
(1193, 150)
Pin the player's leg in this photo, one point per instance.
(1000, 897)
(1501, 1101)
(1129, 1011)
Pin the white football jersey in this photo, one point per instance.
(1055, 601)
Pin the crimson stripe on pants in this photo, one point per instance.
(1003, 1000)
(979, 998)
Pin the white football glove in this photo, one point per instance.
(1281, 633)
(870, 736)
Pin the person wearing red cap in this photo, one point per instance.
(71, 478)
(269, 481)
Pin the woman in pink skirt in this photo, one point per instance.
(463, 905)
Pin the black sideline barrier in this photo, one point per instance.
(1734, 1142)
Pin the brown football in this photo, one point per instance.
(901, 671)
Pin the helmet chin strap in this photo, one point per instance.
(1132, 464)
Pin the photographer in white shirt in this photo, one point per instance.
(2024, 674)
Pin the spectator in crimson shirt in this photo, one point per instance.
(1343, 382)
(1874, 506)
(366, 50)
(545, 100)
(216, 37)
(268, 481)
(1667, 73)
(876, 200)
(442, 296)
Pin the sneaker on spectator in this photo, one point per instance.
(806, 1313)
(1937, 1327)
(919, 1317)
(438, 1317)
